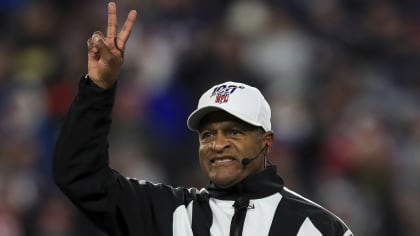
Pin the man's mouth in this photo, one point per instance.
(221, 160)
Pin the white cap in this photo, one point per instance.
(240, 100)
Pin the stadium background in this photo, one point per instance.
(342, 77)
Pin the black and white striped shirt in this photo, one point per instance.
(259, 205)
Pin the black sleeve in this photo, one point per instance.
(118, 205)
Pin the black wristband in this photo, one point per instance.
(116, 46)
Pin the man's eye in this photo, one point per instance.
(206, 135)
(234, 132)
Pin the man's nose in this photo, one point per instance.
(220, 143)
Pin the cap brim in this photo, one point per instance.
(196, 116)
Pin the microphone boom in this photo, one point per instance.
(247, 161)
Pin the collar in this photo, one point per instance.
(259, 185)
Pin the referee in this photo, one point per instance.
(245, 195)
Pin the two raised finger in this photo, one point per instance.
(112, 27)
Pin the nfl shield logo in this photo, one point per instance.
(222, 98)
(223, 92)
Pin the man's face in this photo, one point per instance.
(224, 142)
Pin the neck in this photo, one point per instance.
(254, 186)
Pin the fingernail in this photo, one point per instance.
(95, 38)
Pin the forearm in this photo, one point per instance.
(81, 152)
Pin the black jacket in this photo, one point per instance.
(259, 205)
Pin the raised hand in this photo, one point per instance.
(105, 53)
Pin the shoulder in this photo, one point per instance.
(313, 213)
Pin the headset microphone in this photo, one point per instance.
(246, 161)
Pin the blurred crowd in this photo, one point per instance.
(342, 76)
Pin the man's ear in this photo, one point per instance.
(269, 139)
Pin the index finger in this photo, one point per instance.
(111, 31)
(128, 26)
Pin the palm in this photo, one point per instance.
(103, 67)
